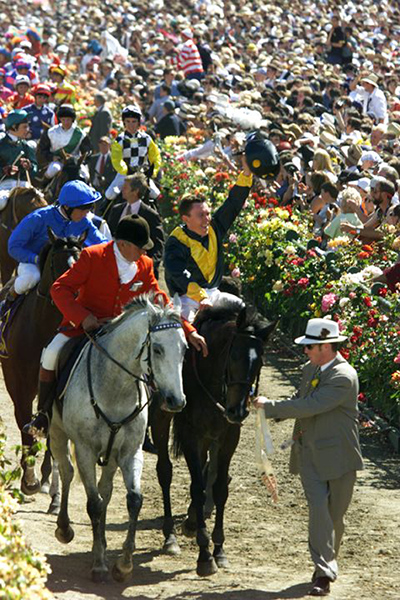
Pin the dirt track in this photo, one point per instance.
(265, 543)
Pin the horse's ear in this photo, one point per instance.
(82, 237)
(241, 320)
(177, 303)
(266, 330)
(51, 234)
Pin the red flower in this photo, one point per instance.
(272, 202)
(357, 331)
(345, 353)
(354, 339)
(362, 397)
(311, 254)
(367, 301)
(363, 255)
(367, 248)
(382, 292)
(372, 322)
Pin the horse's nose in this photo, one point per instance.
(236, 417)
(173, 404)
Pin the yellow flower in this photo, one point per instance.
(318, 313)
(315, 382)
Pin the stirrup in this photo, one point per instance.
(38, 427)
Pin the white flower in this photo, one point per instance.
(343, 301)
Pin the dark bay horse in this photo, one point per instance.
(71, 170)
(33, 326)
(21, 202)
(217, 390)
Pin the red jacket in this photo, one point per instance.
(92, 286)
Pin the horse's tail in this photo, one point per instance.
(177, 431)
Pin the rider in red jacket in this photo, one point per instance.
(95, 289)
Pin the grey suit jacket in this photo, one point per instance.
(328, 418)
(101, 125)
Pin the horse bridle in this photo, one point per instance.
(115, 426)
(54, 276)
(227, 382)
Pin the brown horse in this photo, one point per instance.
(21, 202)
(33, 326)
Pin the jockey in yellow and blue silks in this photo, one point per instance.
(193, 255)
(68, 217)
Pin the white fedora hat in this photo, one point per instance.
(321, 331)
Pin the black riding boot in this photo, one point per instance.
(39, 426)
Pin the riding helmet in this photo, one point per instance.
(131, 112)
(66, 111)
(77, 193)
(15, 117)
(262, 156)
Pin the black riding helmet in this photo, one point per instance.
(66, 111)
(262, 156)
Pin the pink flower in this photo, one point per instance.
(303, 282)
(328, 301)
(397, 359)
(235, 272)
(233, 238)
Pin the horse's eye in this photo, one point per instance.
(158, 350)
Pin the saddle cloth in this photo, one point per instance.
(6, 319)
(68, 359)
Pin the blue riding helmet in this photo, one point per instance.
(77, 193)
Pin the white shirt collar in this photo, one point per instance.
(126, 270)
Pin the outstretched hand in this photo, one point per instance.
(199, 343)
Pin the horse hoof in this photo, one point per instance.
(188, 529)
(222, 561)
(30, 488)
(64, 536)
(205, 569)
(54, 507)
(99, 575)
(119, 575)
(171, 548)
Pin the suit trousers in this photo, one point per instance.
(328, 502)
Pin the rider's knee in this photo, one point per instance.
(28, 276)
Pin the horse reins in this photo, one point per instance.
(226, 382)
(115, 426)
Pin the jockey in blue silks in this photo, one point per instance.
(67, 218)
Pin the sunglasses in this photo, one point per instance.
(310, 346)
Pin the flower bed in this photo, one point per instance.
(23, 571)
(272, 251)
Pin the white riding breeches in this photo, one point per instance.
(28, 275)
(51, 353)
(9, 184)
(217, 298)
(52, 169)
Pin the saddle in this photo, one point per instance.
(67, 360)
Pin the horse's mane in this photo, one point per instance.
(44, 253)
(140, 303)
(224, 312)
(70, 242)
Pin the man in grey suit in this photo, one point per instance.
(101, 121)
(326, 450)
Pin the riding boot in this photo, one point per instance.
(39, 426)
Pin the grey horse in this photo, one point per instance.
(104, 414)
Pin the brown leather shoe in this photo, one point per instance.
(320, 587)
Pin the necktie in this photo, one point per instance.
(102, 164)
